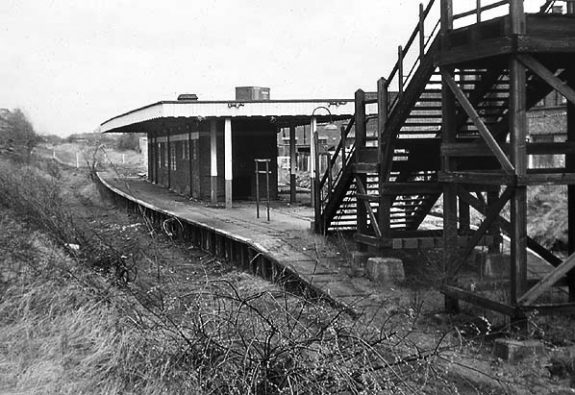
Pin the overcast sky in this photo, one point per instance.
(72, 64)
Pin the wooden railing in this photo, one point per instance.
(397, 75)
(340, 157)
(549, 4)
(480, 8)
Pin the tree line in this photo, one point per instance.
(16, 132)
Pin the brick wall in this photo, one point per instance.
(547, 122)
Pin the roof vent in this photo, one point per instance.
(187, 96)
(252, 93)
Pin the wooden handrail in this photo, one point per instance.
(545, 8)
(479, 9)
(410, 41)
(336, 154)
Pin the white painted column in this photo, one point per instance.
(228, 161)
(214, 161)
(312, 169)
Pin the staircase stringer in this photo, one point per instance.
(338, 194)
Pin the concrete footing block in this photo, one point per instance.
(385, 270)
(516, 350)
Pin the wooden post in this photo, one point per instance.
(214, 161)
(384, 209)
(421, 32)
(449, 134)
(360, 140)
(495, 230)
(400, 69)
(316, 188)
(478, 10)
(228, 162)
(518, 128)
(312, 154)
(570, 168)
(464, 217)
(446, 17)
(517, 16)
(292, 164)
(450, 242)
(518, 131)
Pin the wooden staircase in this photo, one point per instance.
(456, 125)
(405, 150)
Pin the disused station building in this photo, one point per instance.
(207, 149)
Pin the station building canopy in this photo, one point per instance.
(281, 112)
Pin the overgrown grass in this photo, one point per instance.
(67, 327)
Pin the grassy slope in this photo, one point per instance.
(188, 324)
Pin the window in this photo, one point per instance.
(173, 157)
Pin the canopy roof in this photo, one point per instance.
(282, 112)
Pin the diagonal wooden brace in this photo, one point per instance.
(506, 226)
(546, 75)
(547, 282)
(483, 130)
(490, 217)
(361, 189)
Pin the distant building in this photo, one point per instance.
(547, 122)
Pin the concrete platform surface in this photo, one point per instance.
(287, 238)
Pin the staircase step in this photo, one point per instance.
(365, 167)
